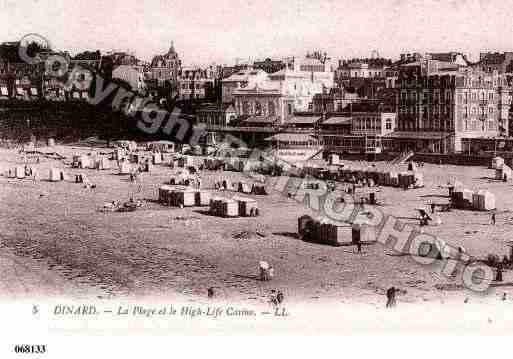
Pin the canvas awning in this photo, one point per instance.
(291, 137)
(424, 135)
(260, 119)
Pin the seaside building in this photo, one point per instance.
(444, 106)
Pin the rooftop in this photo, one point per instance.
(266, 87)
(244, 75)
(302, 120)
(288, 73)
(209, 107)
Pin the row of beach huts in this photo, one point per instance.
(464, 198)
(181, 196)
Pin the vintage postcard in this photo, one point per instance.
(188, 168)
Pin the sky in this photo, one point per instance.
(219, 31)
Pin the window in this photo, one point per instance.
(272, 110)
(245, 108)
(258, 108)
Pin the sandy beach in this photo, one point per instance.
(55, 243)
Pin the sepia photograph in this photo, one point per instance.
(277, 167)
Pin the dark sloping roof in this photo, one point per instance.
(302, 120)
(337, 120)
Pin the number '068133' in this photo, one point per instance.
(30, 349)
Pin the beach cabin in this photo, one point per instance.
(157, 158)
(124, 168)
(55, 175)
(19, 172)
(503, 173)
(224, 207)
(202, 198)
(247, 207)
(82, 161)
(483, 201)
(118, 154)
(497, 162)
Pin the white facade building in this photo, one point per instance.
(241, 79)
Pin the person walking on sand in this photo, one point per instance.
(391, 303)
(498, 277)
(359, 246)
(210, 292)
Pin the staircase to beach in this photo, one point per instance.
(402, 158)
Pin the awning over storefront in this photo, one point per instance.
(260, 119)
(412, 135)
(291, 137)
